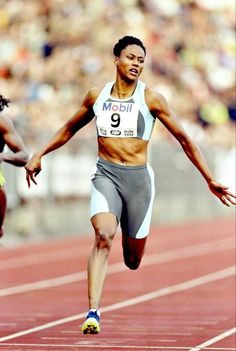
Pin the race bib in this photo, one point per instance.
(118, 119)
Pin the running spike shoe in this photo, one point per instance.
(92, 323)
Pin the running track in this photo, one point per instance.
(181, 298)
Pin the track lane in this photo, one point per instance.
(165, 257)
(168, 272)
(183, 286)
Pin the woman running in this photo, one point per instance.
(123, 182)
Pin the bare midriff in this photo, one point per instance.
(124, 151)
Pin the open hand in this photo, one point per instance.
(222, 192)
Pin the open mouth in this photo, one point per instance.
(134, 71)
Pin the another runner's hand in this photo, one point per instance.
(222, 192)
(33, 167)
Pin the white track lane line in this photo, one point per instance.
(214, 340)
(189, 284)
(42, 257)
(168, 256)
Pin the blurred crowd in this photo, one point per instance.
(52, 51)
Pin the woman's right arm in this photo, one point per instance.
(63, 135)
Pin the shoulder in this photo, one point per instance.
(153, 96)
(5, 123)
(155, 100)
(92, 95)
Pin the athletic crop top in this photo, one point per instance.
(121, 118)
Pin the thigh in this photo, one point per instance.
(138, 203)
(105, 197)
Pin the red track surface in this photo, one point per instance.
(181, 298)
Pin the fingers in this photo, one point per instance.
(222, 192)
(223, 199)
(30, 177)
(227, 200)
(230, 194)
(31, 173)
(228, 197)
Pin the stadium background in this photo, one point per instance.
(52, 51)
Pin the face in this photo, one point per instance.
(130, 63)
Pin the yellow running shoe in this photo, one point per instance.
(92, 323)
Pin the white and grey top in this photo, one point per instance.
(123, 117)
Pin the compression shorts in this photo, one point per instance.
(126, 191)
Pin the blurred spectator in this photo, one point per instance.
(52, 51)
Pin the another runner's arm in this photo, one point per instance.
(18, 155)
(63, 135)
(160, 109)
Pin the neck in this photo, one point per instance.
(118, 91)
(125, 91)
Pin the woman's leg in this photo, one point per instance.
(105, 225)
(136, 214)
(3, 205)
(133, 251)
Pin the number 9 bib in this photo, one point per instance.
(123, 118)
(118, 119)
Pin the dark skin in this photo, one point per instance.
(128, 151)
(17, 156)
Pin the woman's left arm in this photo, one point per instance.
(160, 109)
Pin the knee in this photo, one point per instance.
(132, 264)
(104, 239)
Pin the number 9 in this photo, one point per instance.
(115, 118)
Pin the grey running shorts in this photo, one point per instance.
(126, 191)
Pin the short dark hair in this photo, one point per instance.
(124, 42)
(3, 102)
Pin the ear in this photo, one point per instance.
(116, 61)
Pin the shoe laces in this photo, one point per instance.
(93, 314)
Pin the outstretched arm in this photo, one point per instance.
(63, 135)
(159, 108)
(18, 155)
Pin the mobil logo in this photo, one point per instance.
(117, 107)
